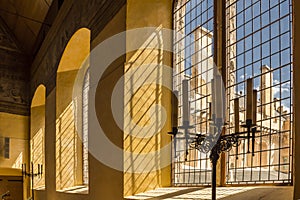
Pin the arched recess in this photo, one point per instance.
(70, 154)
(37, 135)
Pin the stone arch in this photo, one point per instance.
(39, 97)
(69, 84)
(37, 133)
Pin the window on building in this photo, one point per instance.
(85, 99)
(71, 115)
(194, 40)
(37, 136)
(258, 44)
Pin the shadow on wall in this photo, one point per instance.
(37, 134)
(69, 148)
(143, 119)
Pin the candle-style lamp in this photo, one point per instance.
(213, 100)
(219, 99)
(254, 129)
(31, 173)
(216, 125)
(236, 115)
(237, 121)
(175, 109)
(209, 112)
(185, 102)
(221, 142)
(251, 113)
(186, 115)
(174, 119)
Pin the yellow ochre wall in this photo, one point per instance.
(138, 175)
(107, 183)
(104, 182)
(37, 132)
(16, 127)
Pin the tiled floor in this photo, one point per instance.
(224, 193)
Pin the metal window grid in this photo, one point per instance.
(85, 99)
(258, 45)
(260, 34)
(193, 60)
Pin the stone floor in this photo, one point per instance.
(259, 175)
(224, 193)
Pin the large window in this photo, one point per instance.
(257, 42)
(37, 136)
(193, 62)
(258, 46)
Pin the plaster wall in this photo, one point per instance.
(16, 127)
(138, 177)
(104, 182)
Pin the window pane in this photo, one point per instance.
(197, 45)
(263, 26)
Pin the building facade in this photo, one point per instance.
(52, 101)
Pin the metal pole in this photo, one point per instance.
(214, 180)
(32, 177)
(214, 157)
